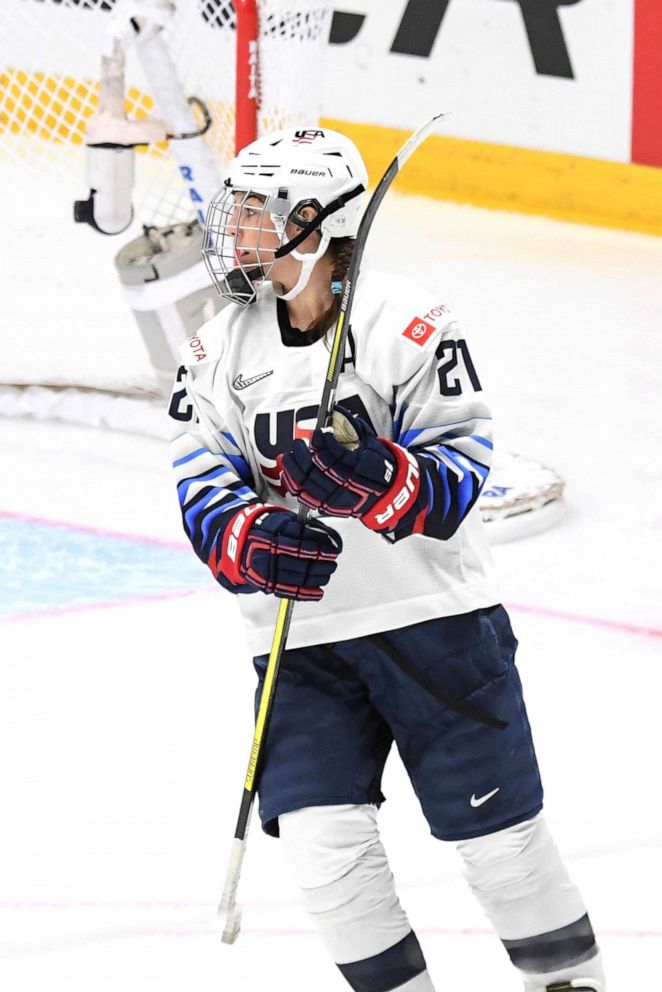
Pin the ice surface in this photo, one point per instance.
(125, 717)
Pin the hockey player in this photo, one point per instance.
(409, 642)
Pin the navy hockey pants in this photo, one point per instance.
(446, 690)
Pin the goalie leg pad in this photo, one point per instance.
(337, 858)
(524, 888)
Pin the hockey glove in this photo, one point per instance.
(267, 548)
(361, 475)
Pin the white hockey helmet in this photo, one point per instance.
(288, 170)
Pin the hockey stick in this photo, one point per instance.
(228, 910)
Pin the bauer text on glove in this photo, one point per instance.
(268, 549)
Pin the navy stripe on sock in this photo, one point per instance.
(556, 949)
(389, 970)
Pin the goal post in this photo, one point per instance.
(246, 91)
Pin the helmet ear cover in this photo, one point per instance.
(296, 217)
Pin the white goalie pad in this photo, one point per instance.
(521, 497)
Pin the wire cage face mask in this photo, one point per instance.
(243, 231)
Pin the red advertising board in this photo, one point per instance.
(647, 83)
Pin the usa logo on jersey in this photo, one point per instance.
(275, 430)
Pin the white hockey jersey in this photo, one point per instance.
(243, 395)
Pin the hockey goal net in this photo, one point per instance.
(71, 349)
(255, 64)
(66, 323)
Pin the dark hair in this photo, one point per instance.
(341, 250)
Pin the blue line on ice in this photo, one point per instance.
(52, 567)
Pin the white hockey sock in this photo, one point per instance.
(523, 886)
(336, 856)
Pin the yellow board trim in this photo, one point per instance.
(502, 177)
(57, 108)
(566, 187)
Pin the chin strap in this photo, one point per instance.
(308, 263)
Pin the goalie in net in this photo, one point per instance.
(172, 60)
(398, 633)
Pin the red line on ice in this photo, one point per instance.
(85, 607)
(41, 904)
(98, 531)
(541, 611)
(620, 625)
(441, 932)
